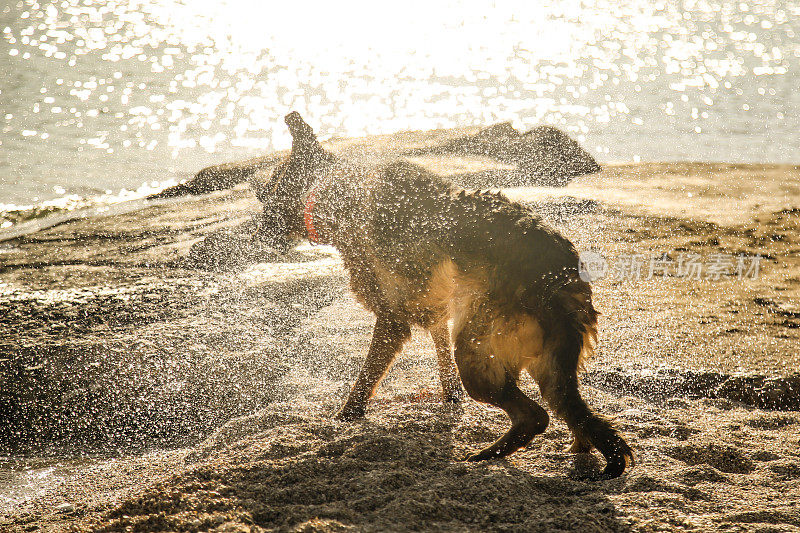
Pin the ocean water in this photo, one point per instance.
(109, 100)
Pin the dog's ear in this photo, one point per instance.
(306, 149)
(264, 181)
(302, 134)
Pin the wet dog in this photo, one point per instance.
(484, 275)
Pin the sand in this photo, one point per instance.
(142, 393)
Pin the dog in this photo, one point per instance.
(421, 251)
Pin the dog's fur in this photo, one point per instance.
(422, 252)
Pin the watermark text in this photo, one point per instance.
(594, 266)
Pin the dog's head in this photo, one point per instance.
(283, 193)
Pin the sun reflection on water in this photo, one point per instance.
(105, 95)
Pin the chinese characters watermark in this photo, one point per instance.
(594, 266)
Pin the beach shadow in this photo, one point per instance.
(398, 470)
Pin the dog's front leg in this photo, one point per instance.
(387, 339)
(451, 384)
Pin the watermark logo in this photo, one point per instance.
(594, 266)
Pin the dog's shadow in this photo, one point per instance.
(400, 469)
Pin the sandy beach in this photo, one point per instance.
(141, 391)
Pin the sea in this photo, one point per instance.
(108, 101)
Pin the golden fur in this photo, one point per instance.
(422, 252)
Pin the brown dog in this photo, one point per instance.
(422, 252)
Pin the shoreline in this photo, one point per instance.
(233, 374)
(95, 206)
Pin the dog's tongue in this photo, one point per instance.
(298, 128)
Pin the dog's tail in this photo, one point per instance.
(572, 308)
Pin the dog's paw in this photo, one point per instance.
(616, 465)
(585, 467)
(454, 396)
(484, 455)
(348, 415)
(578, 446)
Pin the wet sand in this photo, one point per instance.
(204, 398)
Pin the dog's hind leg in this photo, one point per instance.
(557, 377)
(451, 387)
(487, 380)
(387, 340)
